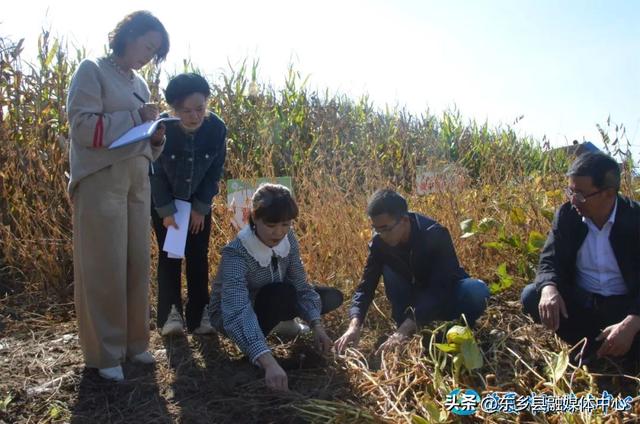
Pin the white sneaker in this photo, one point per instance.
(143, 358)
(173, 326)
(290, 329)
(112, 374)
(205, 324)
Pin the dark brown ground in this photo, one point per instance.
(205, 379)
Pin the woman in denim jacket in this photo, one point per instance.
(189, 169)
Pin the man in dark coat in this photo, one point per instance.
(588, 279)
(423, 279)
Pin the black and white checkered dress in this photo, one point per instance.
(239, 278)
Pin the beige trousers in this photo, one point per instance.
(111, 230)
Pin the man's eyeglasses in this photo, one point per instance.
(385, 230)
(579, 197)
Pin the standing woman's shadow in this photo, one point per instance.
(223, 380)
(136, 399)
(197, 378)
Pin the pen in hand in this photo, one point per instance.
(148, 111)
(139, 97)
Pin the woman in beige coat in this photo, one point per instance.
(110, 192)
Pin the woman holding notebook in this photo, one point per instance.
(189, 170)
(110, 192)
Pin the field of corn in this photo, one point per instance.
(338, 151)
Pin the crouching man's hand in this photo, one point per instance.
(350, 337)
(551, 306)
(399, 337)
(617, 338)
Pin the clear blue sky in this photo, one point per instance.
(564, 65)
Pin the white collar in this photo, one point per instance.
(612, 217)
(260, 251)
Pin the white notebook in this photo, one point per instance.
(140, 132)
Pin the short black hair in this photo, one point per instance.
(603, 169)
(182, 86)
(134, 25)
(387, 201)
(273, 203)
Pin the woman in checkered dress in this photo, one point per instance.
(261, 282)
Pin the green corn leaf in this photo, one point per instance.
(52, 53)
(513, 240)
(505, 279)
(536, 241)
(447, 347)
(495, 288)
(487, 224)
(434, 412)
(497, 245)
(471, 355)
(416, 419)
(517, 216)
(560, 364)
(4, 404)
(547, 213)
(459, 334)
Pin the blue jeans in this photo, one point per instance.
(469, 298)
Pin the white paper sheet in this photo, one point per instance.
(176, 240)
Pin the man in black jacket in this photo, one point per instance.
(588, 279)
(422, 277)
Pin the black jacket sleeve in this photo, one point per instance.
(365, 291)
(161, 191)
